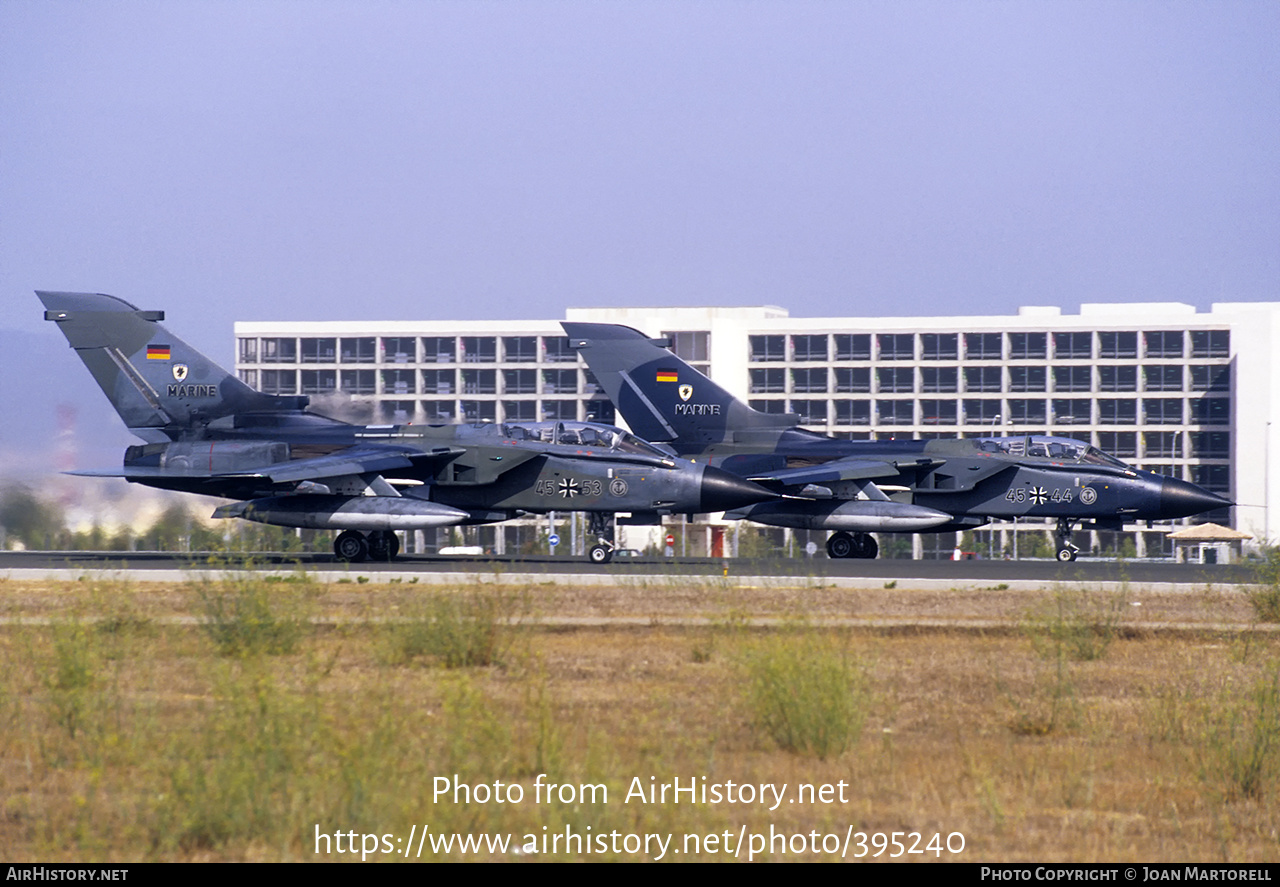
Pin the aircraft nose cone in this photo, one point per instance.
(722, 491)
(1181, 499)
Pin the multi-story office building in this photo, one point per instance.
(1183, 393)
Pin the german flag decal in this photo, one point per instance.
(668, 376)
(157, 352)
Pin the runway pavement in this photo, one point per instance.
(164, 566)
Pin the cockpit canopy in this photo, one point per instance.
(582, 434)
(1059, 449)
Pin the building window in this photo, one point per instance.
(1211, 343)
(248, 350)
(478, 410)
(520, 381)
(940, 346)
(601, 410)
(398, 411)
(1162, 378)
(279, 382)
(938, 412)
(1121, 444)
(981, 412)
(771, 406)
(1072, 378)
(439, 410)
(319, 350)
(520, 349)
(1214, 478)
(279, 350)
(1162, 445)
(1210, 444)
(1072, 346)
(1118, 378)
(896, 346)
(895, 412)
(807, 381)
(940, 380)
(249, 377)
(769, 381)
(809, 347)
(479, 382)
(1028, 346)
(1118, 345)
(439, 349)
(1163, 343)
(1162, 410)
(361, 350)
(852, 346)
(559, 381)
(555, 349)
(895, 380)
(1210, 378)
(768, 349)
(398, 382)
(853, 380)
(319, 381)
(811, 412)
(519, 411)
(564, 410)
(590, 384)
(1117, 412)
(1028, 379)
(1210, 410)
(1072, 411)
(853, 412)
(1027, 412)
(439, 381)
(399, 349)
(982, 346)
(479, 349)
(358, 381)
(691, 347)
(982, 379)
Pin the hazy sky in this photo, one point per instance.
(335, 160)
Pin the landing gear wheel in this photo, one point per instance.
(840, 545)
(865, 546)
(1066, 552)
(599, 554)
(384, 545)
(350, 546)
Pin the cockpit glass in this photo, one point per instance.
(1059, 449)
(581, 434)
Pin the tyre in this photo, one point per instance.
(840, 545)
(1065, 555)
(599, 554)
(865, 546)
(351, 547)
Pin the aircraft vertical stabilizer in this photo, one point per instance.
(158, 383)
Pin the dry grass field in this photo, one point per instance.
(234, 720)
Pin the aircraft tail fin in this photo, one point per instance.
(155, 381)
(660, 396)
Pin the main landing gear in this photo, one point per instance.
(1064, 550)
(601, 524)
(843, 544)
(354, 547)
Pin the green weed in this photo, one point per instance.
(807, 692)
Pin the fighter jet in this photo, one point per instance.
(846, 486)
(207, 432)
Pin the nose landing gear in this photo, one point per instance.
(1064, 550)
